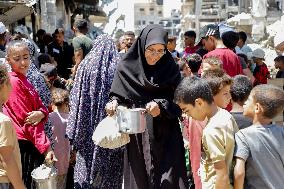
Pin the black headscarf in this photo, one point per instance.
(136, 80)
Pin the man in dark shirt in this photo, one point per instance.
(279, 64)
(62, 52)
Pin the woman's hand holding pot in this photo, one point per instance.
(153, 109)
(111, 107)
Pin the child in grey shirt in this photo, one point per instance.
(259, 149)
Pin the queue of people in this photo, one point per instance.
(208, 102)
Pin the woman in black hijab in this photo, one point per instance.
(147, 77)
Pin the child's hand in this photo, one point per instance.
(34, 117)
(50, 157)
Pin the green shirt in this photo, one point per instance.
(82, 42)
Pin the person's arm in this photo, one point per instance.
(241, 153)
(222, 176)
(10, 166)
(239, 173)
(7, 142)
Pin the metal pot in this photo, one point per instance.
(48, 183)
(131, 121)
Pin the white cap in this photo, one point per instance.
(258, 53)
(2, 28)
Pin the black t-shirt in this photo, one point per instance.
(63, 56)
(280, 74)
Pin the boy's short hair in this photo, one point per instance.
(230, 39)
(80, 24)
(190, 33)
(131, 33)
(3, 74)
(270, 97)
(217, 79)
(192, 88)
(194, 61)
(59, 31)
(171, 38)
(213, 60)
(279, 59)
(48, 70)
(243, 36)
(241, 88)
(59, 96)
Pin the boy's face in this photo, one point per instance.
(223, 98)
(258, 61)
(19, 60)
(197, 112)
(188, 41)
(209, 43)
(171, 46)
(59, 38)
(5, 91)
(279, 65)
(186, 70)
(249, 107)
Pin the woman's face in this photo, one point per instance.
(153, 53)
(19, 59)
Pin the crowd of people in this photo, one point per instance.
(210, 105)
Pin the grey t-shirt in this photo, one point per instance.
(242, 121)
(262, 147)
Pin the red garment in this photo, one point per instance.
(193, 132)
(22, 100)
(191, 50)
(231, 62)
(260, 74)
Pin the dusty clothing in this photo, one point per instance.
(218, 142)
(8, 137)
(262, 147)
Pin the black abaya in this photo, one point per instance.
(154, 159)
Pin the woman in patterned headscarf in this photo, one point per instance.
(95, 167)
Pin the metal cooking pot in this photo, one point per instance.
(131, 121)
